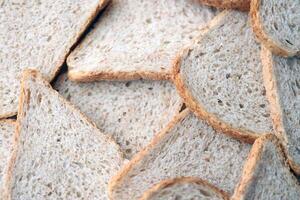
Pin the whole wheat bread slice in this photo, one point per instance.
(266, 174)
(243, 5)
(131, 111)
(276, 23)
(185, 188)
(220, 78)
(282, 82)
(137, 39)
(187, 147)
(58, 153)
(39, 35)
(7, 129)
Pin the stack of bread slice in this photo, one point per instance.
(150, 100)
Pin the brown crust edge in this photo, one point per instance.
(251, 164)
(8, 174)
(273, 98)
(242, 5)
(261, 34)
(82, 76)
(199, 110)
(169, 182)
(113, 183)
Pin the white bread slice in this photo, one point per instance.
(7, 129)
(220, 78)
(39, 35)
(276, 23)
(137, 39)
(187, 147)
(266, 174)
(58, 153)
(131, 111)
(243, 5)
(185, 188)
(282, 82)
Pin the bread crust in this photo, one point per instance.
(273, 98)
(261, 34)
(139, 156)
(24, 99)
(241, 134)
(82, 76)
(251, 164)
(243, 5)
(169, 182)
(8, 121)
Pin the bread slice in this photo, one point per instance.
(282, 81)
(137, 39)
(220, 78)
(187, 147)
(184, 188)
(266, 174)
(7, 129)
(39, 35)
(58, 153)
(243, 5)
(131, 111)
(277, 25)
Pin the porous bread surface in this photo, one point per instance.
(277, 25)
(243, 5)
(283, 89)
(39, 35)
(135, 38)
(59, 153)
(222, 72)
(186, 188)
(269, 176)
(7, 129)
(189, 147)
(132, 111)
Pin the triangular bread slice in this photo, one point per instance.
(277, 24)
(58, 153)
(132, 111)
(282, 82)
(185, 188)
(187, 147)
(38, 35)
(137, 39)
(220, 78)
(7, 129)
(243, 5)
(266, 175)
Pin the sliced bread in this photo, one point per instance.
(137, 39)
(7, 129)
(220, 78)
(276, 24)
(187, 147)
(39, 35)
(243, 5)
(185, 188)
(266, 174)
(131, 111)
(58, 153)
(282, 82)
